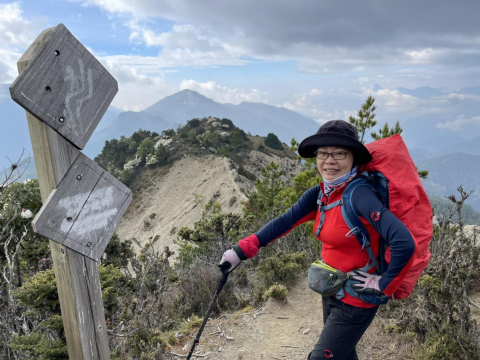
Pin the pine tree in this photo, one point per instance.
(273, 142)
(365, 117)
(386, 132)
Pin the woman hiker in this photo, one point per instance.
(346, 316)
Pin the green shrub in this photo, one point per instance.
(439, 310)
(242, 171)
(39, 292)
(168, 133)
(227, 122)
(173, 230)
(273, 142)
(146, 344)
(451, 344)
(113, 282)
(152, 215)
(161, 155)
(223, 151)
(276, 291)
(147, 147)
(39, 346)
(193, 123)
(197, 198)
(118, 252)
(54, 322)
(191, 323)
(261, 148)
(126, 176)
(281, 268)
(232, 201)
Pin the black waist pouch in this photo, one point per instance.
(325, 279)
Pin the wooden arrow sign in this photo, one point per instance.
(84, 211)
(64, 85)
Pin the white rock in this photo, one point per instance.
(225, 126)
(216, 124)
(151, 159)
(132, 164)
(224, 134)
(164, 142)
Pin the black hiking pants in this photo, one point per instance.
(344, 325)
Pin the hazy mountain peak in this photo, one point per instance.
(186, 97)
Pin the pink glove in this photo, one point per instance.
(366, 283)
(232, 257)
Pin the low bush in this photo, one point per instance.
(282, 268)
(438, 310)
(273, 142)
(276, 291)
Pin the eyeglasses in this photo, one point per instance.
(337, 155)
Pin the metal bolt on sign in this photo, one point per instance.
(65, 92)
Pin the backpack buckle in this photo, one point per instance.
(353, 232)
(366, 243)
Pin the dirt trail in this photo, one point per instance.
(285, 330)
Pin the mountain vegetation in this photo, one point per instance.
(125, 157)
(177, 109)
(155, 299)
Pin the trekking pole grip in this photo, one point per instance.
(224, 269)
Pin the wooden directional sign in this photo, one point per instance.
(64, 85)
(85, 209)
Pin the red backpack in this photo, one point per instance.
(394, 176)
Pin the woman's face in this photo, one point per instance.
(330, 169)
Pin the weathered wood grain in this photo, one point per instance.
(53, 157)
(64, 85)
(84, 210)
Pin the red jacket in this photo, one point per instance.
(338, 250)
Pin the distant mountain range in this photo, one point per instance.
(426, 92)
(447, 172)
(451, 159)
(177, 109)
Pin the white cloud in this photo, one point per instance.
(462, 98)
(136, 89)
(16, 34)
(14, 29)
(460, 123)
(307, 32)
(224, 94)
(315, 104)
(8, 67)
(395, 101)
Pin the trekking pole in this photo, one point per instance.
(223, 268)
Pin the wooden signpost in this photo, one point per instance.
(85, 209)
(65, 92)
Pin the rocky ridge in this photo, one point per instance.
(169, 198)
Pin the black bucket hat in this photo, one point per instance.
(335, 133)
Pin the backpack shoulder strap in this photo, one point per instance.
(352, 219)
(322, 209)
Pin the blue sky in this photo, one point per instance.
(320, 58)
